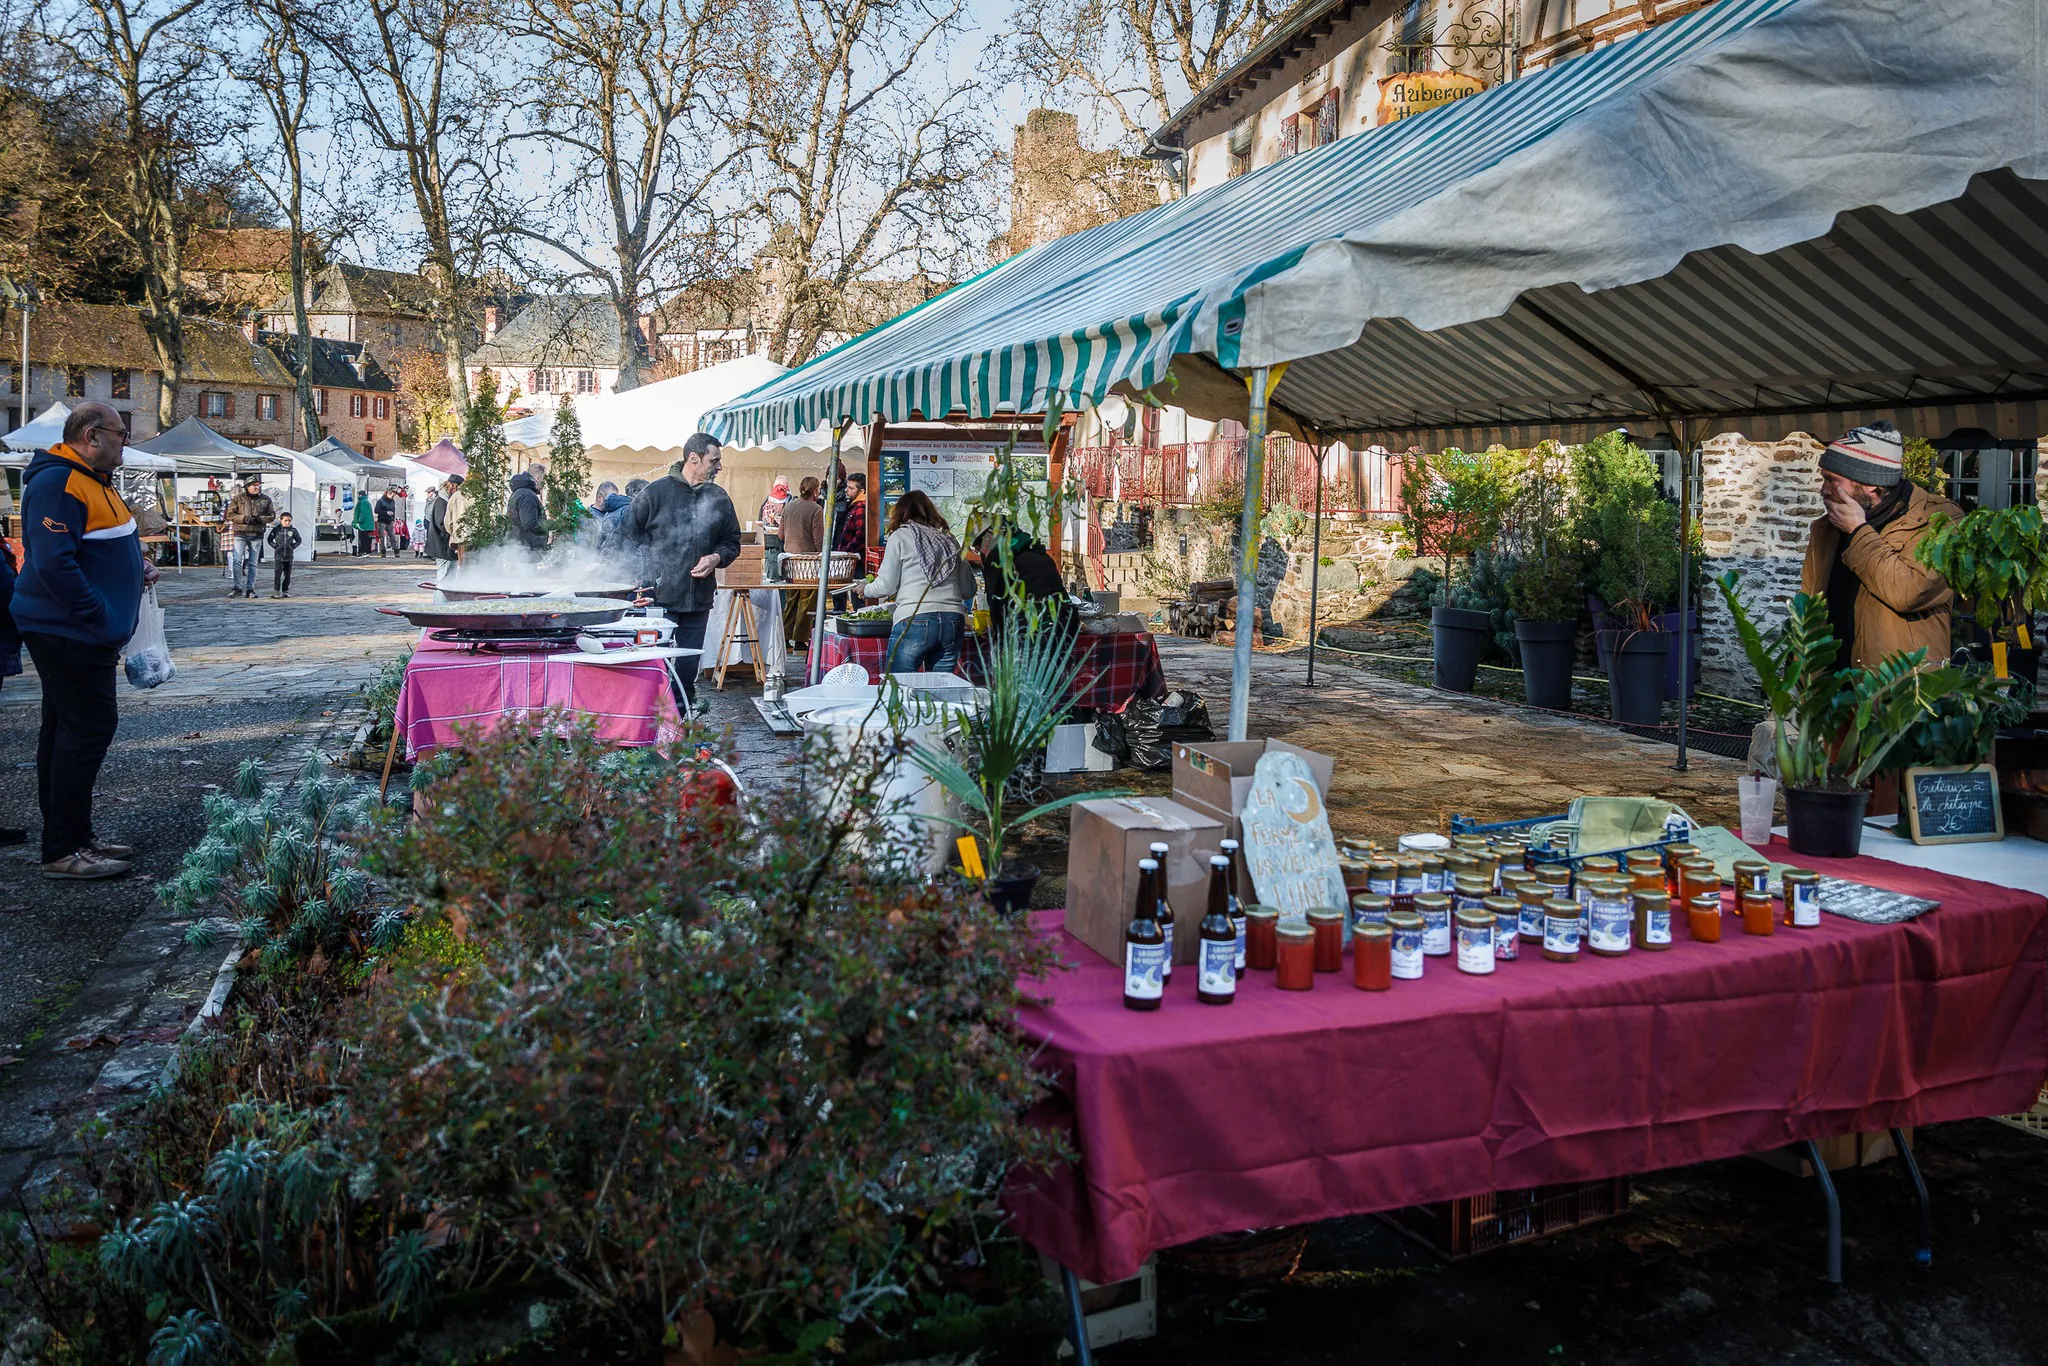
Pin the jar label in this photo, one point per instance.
(1238, 966)
(1409, 886)
(1407, 955)
(1467, 901)
(1144, 975)
(1657, 927)
(1383, 886)
(1475, 948)
(1531, 921)
(1435, 883)
(1218, 968)
(1507, 942)
(1560, 934)
(1167, 929)
(1608, 926)
(1806, 904)
(1361, 914)
(1436, 930)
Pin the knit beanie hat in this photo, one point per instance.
(1875, 454)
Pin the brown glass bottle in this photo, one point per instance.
(1144, 945)
(1216, 954)
(1229, 848)
(1164, 910)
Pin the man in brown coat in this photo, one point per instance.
(1880, 599)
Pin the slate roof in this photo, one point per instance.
(334, 363)
(111, 336)
(240, 250)
(347, 288)
(577, 330)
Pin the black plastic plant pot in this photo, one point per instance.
(1548, 648)
(1459, 637)
(1635, 676)
(1825, 824)
(1009, 891)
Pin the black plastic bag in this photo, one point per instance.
(1144, 738)
(1110, 737)
(1184, 715)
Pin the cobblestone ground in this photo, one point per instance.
(96, 979)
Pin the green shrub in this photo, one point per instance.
(1632, 530)
(380, 695)
(1452, 502)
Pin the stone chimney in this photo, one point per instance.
(249, 328)
(490, 321)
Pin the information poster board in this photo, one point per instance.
(952, 472)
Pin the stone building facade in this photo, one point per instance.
(1757, 501)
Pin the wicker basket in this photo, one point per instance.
(804, 568)
(1257, 1256)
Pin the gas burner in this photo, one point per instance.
(514, 641)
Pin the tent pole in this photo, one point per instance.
(811, 671)
(1315, 568)
(1262, 382)
(1685, 603)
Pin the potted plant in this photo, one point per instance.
(1996, 560)
(1452, 504)
(1545, 586)
(1832, 728)
(1634, 532)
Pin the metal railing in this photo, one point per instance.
(1197, 472)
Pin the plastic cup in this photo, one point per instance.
(1759, 797)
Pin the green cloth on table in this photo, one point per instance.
(1609, 823)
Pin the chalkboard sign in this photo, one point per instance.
(1953, 805)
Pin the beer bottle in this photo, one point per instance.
(1165, 911)
(1216, 965)
(1144, 945)
(1229, 848)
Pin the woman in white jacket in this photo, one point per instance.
(922, 570)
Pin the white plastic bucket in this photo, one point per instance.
(911, 800)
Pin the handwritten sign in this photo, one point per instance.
(1418, 92)
(1955, 805)
(1871, 905)
(1287, 845)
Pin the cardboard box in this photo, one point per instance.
(1105, 840)
(1214, 776)
(744, 572)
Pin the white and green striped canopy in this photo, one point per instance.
(1767, 207)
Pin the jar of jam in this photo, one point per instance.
(1326, 923)
(1802, 898)
(1471, 889)
(1433, 874)
(1261, 948)
(1675, 854)
(1703, 916)
(1589, 868)
(1357, 850)
(1405, 929)
(1436, 923)
(1355, 872)
(1756, 911)
(1753, 875)
(1529, 915)
(1652, 919)
(1507, 926)
(1557, 877)
(1457, 864)
(1372, 957)
(1471, 844)
(1697, 875)
(1475, 941)
(1407, 883)
(1610, 915)
(1379, 877)
(1561, 921)
(1369, 907)
(1512, 876)
(1295, 966)
(1648, 877)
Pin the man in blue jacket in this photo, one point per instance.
(76, 602)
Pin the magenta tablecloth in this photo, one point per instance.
(447, 688)
(1289, 1106)
(1113, 668)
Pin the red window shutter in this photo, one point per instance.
(230, 406)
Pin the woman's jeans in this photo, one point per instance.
(928, 643)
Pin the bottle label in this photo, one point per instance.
(1218, 967)
(1436, 930)
(1407, 954)
(1144, 971)
(1806, 904)
(1475, 948)
(1166, 928)
(1657, 927)
(1608, 926)
(1560, 934)
(1240, 922)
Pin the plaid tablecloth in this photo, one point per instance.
(447, 688)
(1113, 668)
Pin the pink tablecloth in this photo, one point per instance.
(1113, 668)
(1288, 1107)
(447, 688)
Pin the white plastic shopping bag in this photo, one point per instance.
(148, 656)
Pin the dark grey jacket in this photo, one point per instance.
(529, 519)
(439, 545)
(675, 525)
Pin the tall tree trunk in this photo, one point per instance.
(302, 330)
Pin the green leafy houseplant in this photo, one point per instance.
(1632, 530)
(1547, 581)
(1996, 560)
(1833, 728)
(1961, 726)
(1452, 502)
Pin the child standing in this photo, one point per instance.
(285, 541)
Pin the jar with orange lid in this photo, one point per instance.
(1703, 917)
(1372, 957)
(1295, 968)
(1507, 926)
(1529, 911)
(1562, 920)
(1756, 911)
(1261, 946)
(1326, 923)
(1406, 949)
(1652, 919)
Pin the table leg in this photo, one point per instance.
(732, 609)
(1834, 1202)
(390, 754)
(1077, 1322)
(1923, 1253)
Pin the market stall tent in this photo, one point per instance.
(46, 429)
(1766, 216)
(306, 493)
(444, 455)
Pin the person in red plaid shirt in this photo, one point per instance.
(853, 532)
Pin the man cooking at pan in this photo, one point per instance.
(686, 530)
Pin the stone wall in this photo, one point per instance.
(1757, 501)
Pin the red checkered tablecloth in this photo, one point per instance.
(1113, 668)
